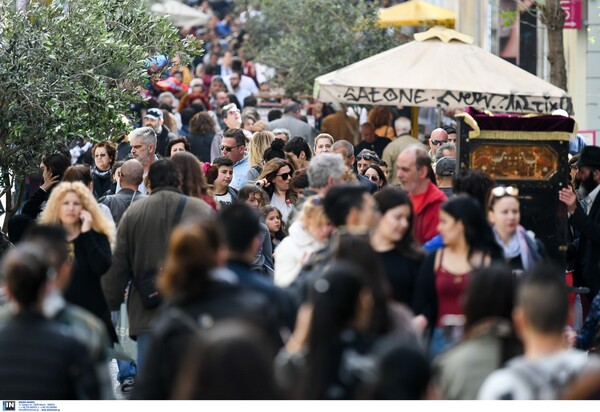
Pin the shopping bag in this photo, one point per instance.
(126, 348)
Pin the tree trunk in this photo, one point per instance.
(553, 16)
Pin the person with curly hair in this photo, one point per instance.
(193, 180)
(381, 117)
(90, 234)
(104, 158)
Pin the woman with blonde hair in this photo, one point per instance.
(307, 235)
(90, 234)
(259, 143)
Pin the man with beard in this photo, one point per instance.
(585, 218)
(154, 119)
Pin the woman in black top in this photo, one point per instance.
(394, 241)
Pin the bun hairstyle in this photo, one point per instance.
(276, 150)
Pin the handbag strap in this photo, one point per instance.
(179, 210)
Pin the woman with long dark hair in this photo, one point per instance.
(275, 179)
(469, 243)
(394, 242)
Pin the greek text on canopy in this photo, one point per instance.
(455, 99)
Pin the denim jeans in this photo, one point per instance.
(143, 341)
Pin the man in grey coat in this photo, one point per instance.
(142, 240)
(291, 121)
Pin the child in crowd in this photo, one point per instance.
(219, 175)
(274, 221)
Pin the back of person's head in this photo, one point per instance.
(491, 293)
(544, 300)
(473, 183)
(402, 125)
(186, 116)
(297, 145)
(241, 226)
(403, 371)
(275, 151)
(231, 361)
(324, 166)
(191, 255)
(78, 173)
(341, 199)
(26, 270)
(57, 163)
(335, 300)
(299, 180)
(250, 101)
(193, 181)
(163, 173)
(132, 172)
(274, 114)
(477, 231)
(17, 227)
(358, 250)
(53, 241)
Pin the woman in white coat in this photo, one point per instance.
(307, 235)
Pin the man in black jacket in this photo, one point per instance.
(154, 119)
(586, 220)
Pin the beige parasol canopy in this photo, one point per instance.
(180, 14)
(441, 68)
(415, 13)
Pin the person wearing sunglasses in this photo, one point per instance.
(234, 148)
(520, 247)
(104, 157)
(365, 159)
(232, 117)
(275, 179)
(437, 138)
(376, 175)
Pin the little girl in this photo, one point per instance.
(274, 221)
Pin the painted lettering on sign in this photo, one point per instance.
(453, 99)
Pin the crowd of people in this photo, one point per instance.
(268, 258)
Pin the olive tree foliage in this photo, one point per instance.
(304, 39)
(68, 70)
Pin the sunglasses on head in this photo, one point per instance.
(228, 149)
(502, 191)
(284, 176)
(368, 157)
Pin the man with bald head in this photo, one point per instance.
(438, 137)
(413, 168)
(130, 176)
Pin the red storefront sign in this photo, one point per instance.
(572, 10)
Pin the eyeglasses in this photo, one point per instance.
(284, 176)
(436, 142)
(235, 111)
(374, 178)
(502, 191)
(99, 155)
(228, 149)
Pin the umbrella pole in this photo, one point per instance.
(415, 122)
(439, 117)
